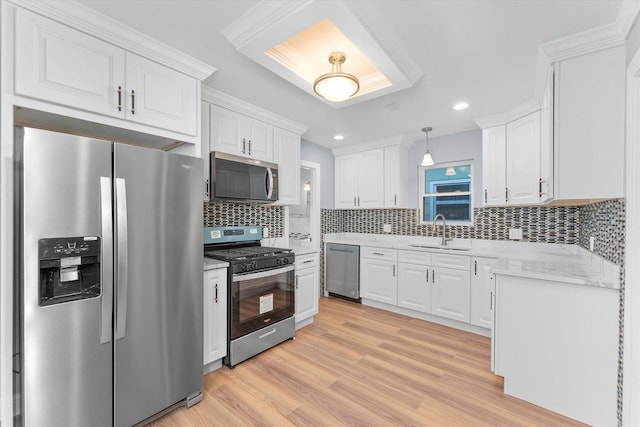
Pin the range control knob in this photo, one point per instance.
(243, 267)
(254, 265)
(285, 260)
(279, 261)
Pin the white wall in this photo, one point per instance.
(448, 148)
(322, 155)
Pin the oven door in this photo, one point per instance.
(260, 299)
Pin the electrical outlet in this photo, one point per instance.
(386, 228)
(592, 243)
(265, 232)
(515, 233)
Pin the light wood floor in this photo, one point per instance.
(358, 365)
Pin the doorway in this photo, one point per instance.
(304, 218)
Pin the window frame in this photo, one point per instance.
(422, 194)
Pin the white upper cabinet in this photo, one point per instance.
(395, 176)
(589, 123)
(286, 153)
(238, 134)
(58, 64)
(72, 69)
(161, 97)
(511, 165)
(372, 175)
(359, 179)
(523, 160)
(494, 157)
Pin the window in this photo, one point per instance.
(446, 189)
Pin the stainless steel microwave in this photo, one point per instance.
(237, 178)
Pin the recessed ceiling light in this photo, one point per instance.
(338, 137)
(460, 106)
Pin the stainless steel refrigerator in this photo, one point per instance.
(109, 280)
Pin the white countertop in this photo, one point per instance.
(557, 262)
(212, 264)
(303, 250)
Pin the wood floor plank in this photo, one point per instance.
(361, 366)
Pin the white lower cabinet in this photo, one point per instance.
(432, 283)
(215, 315)
(307, 288)
(378, 279)
(450, 293)
(482, 291)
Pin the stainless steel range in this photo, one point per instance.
(261, 287)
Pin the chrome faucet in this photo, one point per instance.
(444, 228)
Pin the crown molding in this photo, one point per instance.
(502, 119)
(401, 140)
(221, 99)
(259, 18)
(87, 20)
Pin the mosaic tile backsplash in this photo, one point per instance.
(217, 214)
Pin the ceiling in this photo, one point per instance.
(483, 52)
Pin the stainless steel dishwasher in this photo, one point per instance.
(342, 271)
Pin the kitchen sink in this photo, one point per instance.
(447, 248)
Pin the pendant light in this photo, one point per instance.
(427, 160)
(336, 86)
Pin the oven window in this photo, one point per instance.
(257, 302)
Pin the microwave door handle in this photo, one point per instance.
(122, 258)
(106, 299)
(269, 183)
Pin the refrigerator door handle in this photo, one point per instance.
(106, 303)
(122, 258)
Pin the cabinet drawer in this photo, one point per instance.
(415, 257)
(460, 262)
(307, 261)
(382, 253)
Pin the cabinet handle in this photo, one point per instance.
(119, 98)
(475, 268)
(296, 281)
(378, 253)
(307, 261)
(206, 188)
(433, 276)
(540, 187)
(491, 301)
(133, 101)
(249, 147)
(427, 276)
(358, 200)
(394, 270)
(485, 195)
(506, 194)
(244, 146)
(216, 297)
(354, 201)
(395, 200)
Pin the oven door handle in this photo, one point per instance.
(261, 274)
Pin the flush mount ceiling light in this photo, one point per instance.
(427, 160)
(460, 106)
(338, 137)
(336, 86)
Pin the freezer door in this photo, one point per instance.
(66, 349)
(159, 259)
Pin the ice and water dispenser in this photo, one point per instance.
(69, 269)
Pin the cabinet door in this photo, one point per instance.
(58, 64)
(414, 288)
(546, 185)
(370, 188)
(161, 97)
(494, 166)
(395, 177)
(225, 131)
(378, 280)
(450, 293)
(259, 138)
(215, 315)
(523, 159)
(307, 292)
(205, 148)
(346, 173)
(286, 153)
(482, 292)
